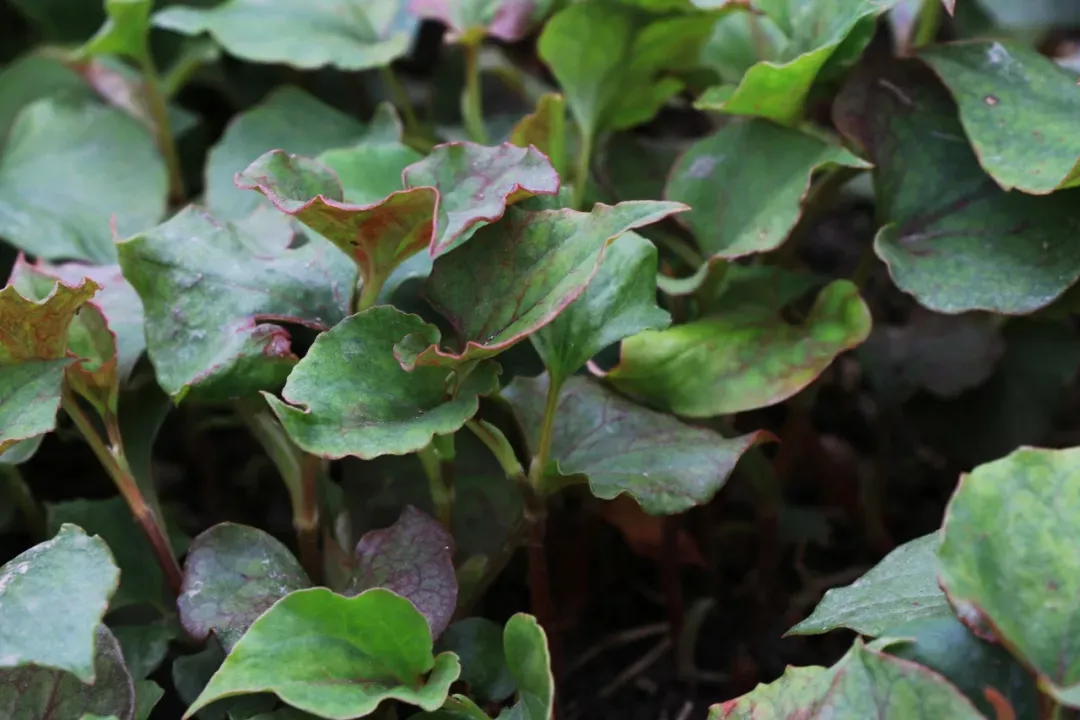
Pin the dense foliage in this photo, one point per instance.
(502, 258)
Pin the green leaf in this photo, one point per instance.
(209, 286)
(1008, 556)
(146, 645)
(816, 31)
(471, 20)
(740, 204)
(232, 574)
(337, 657)
(52, 599)
(945, 645)
(40, 693)
(545, 129)
(902, 588)
(341, 33)
(613, 61)
(69, 170)
(543, 259)
(369, 171)
(141, 579)
(456, 707)
(478, 642)
(349, 395)
(147, 695)
(738, 361)
(414, 558)
(952, 238)
(126, 30)
(191, 673)
(865, 683)
(33, 346)
(525, 645)
(288, 119)
(33, 77)
(668, 467)
(1018, 107)
(739, 40)
(619, 302)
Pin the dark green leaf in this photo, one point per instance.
(337, 657)
(52, 599)
(1009, 555)
(744, 359)
(668, 467)
(38, 693)
(207, 288)
(232, 574)
(1018, 107)
(125, 32)
(145, 645)
(902, 588)
(952, 237)
(147, 695)
(70, 169)
(414, 558)
(470, 20)
(525, 645)
(479, 644)
(349, 395)
(740, 203)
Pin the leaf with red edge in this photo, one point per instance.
(209, 289)
(476, 184)
(470, 20)
(414, 558)
(866, 684)
(33, 357)
(665, 465)
(516, 276)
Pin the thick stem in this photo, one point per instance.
(23, 499)
(159, 109)
(441, 488)
(927, 24)
(306, 517)
(401, 100)
(472, 108)
(584, 164)
(370, 287)
(115, 464)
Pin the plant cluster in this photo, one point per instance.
(534, 291)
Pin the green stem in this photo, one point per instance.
(19, 492)
(581, 174)
(113, 459)
(370, 288)
(194, 56)
(442, 489)
(401, 100)
(547, 433)
(471, 102)
(159, 110)
(927, 24)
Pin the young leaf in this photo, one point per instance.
(1018, 108)
(738, 361)
(952, 238)
(525, 645)
(349, 396)
(865, 683)
(336, 657)
(471, 20)
(52, 599)
(1009, 555)
(668, 467)
(545, 129)
(740, 204)
(816, 30)
(543, 260)
(413, 558)
(619, 302)
(33, 343)
(48, 694)
(126, 30)
(479, 644)
(288, 119)
(207, 286)
(69, 170)
(232, 574)
(341, 33)
(902, 588)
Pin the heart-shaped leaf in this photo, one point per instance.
(542, 260)
(951, 236)
(52, 599)
(738, 361)
(342, 33)
(232, 574)
(33, 357)
(414, 557)
(865, 683)
(1009, 554)
(1018, 108)
(902, 588)
(741, 205)
(668, 467)
(207, 286)
(39, 693)
(619, 302)
(336, 657)
(113, 177)
(349, 395)
(470, 20)
(527, 656)
(478, 642)
(545, 129)
(126, 30)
